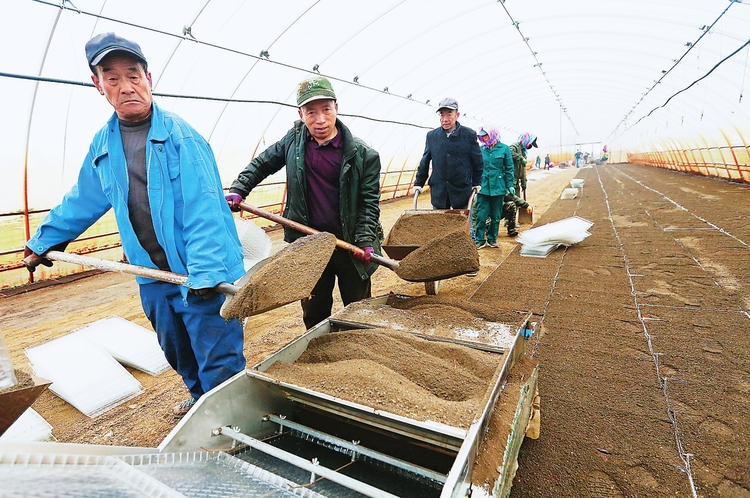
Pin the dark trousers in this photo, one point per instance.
(198, 343)
(318, 306)
(453, 204)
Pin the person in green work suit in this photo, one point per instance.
(518, 149)
(497, 182)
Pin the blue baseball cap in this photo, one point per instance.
(104, 44)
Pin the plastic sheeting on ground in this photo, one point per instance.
(83, 374)
(540, 241)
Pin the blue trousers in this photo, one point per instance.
(198, 343)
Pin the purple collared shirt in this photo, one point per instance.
(323, 169)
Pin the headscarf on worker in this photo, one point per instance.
(488, 136)
(528, 140)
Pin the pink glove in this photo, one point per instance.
(234, 201)
(365, 256)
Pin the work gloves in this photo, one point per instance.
(365, 255)
(476, 188)
(205, 293)
(418, 189)
(31, 259)
(234, 201)
(511, 191)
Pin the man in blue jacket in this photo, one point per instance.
(160, 177)
(456, 161)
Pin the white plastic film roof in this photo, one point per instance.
(580, 74)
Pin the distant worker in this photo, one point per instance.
(538, 162)
(525, 142)
(456, 161)
(546, 161)
(578, 158)
(160, 177)
(497, 187)
(333, 185)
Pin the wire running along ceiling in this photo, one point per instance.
(635, 75)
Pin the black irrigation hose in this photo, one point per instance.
(197, 97)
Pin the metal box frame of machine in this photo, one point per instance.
(380, 454)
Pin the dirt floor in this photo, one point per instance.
(643, 351)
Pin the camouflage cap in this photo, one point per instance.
(314, 88)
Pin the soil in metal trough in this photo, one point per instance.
(285, 277)
(439, 316)
(396, 372)
(446, 256)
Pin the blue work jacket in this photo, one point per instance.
(191, 218)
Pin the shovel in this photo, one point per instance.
(261, 289)
(526, 216)
(445, 257)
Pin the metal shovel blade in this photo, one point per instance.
(526, 216)
(444, 257)
(14, 403)
(282, 278)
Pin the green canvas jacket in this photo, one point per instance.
(359, 185)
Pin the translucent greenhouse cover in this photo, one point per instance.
(635, 76)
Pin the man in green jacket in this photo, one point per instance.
(333, 185)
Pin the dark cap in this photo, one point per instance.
(448, 103)
(104, 44)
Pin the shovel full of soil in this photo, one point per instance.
(420, 230)
(282, 278)
(449, 255)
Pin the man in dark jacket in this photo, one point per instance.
(456, 161)
(333, 185)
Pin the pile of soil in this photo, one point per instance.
(398, 373)
(285, 277)
(456, 305)
(439, 316)
(443, 257)
(418, 229)
(23, 380)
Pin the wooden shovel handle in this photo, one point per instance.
(389, 263)
(140, 271)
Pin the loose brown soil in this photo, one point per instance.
(643, 350)
(443, 257)
(416, 229)
(23, 380)
(398, 373)
(440, 316)
(285, 277)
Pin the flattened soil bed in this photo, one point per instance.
(439, 316)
